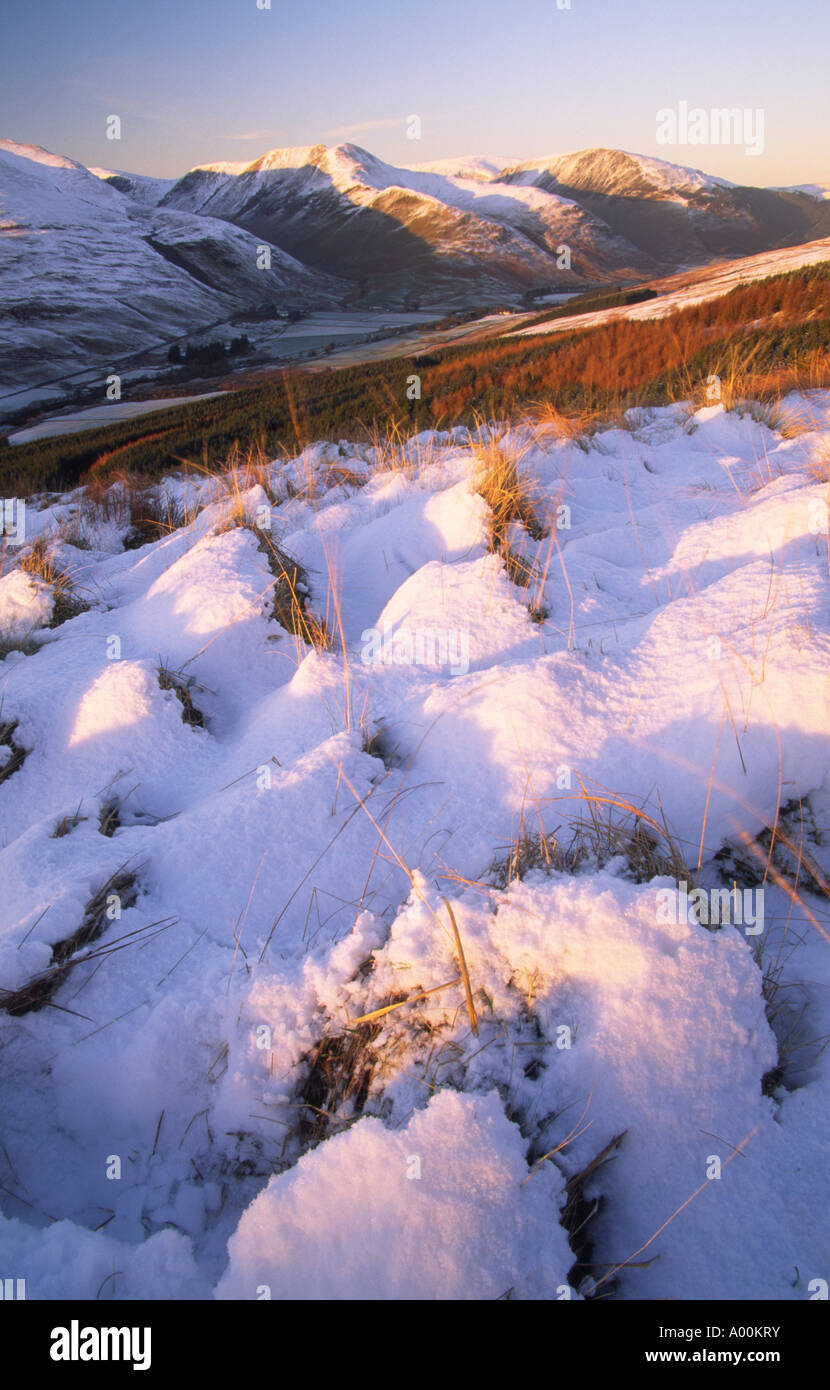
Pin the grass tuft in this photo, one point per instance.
(39, 991)
(181, 687)
(508, 496)
(14, 759)
(41, 564)
(291, 594)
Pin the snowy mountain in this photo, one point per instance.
(99, 263)
(482, 224)
(244, 1054)
(141, 188)
(343, 211)
(677, 215)
(821, 191)
(440, 228)
(90, 273)
(618, 173)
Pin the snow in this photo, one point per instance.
(664, 174)
(821, 191)
(351, 168)
(91, 276)
(66, 1262)
(474, 166)
(454, 178)
(38, 154)
(674, 180)
(695, 287)
(293, 858)
(25, 604)
(471, 215)
(143, 188)
(437, 1210)
(106, 268)
(99, 416)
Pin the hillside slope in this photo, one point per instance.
(89, 274)
(99, 264)
(674, 214)
(223, 847)
(404, 229)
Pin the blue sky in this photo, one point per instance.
(201, 80)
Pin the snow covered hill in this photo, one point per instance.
(88, 274)
(671, 213)
(675, 292)
(619, 173)
(101, 263)
(344, 211)
(479, 223)
(228, 838)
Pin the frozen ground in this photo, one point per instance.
(98, 416)
(194, 1112)
(695, 287)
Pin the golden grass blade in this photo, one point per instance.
(378, 1013)
(465, 974)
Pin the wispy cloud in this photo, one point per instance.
(251, 135)
(363, 126)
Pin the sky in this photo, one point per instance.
(197, 81)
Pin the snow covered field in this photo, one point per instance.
(694, 287)
(99, 416)
(189, 1107)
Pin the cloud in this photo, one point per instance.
(363, 126)
(252, 135)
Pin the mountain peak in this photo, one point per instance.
(619, 172)
(38, 155)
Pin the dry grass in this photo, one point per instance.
(577, 1214)
(251, 468)
(228, 486)
(133, 503)
(67, 824)
(779, 854)
(235, 516)
(529, 852)
(153, 514)
(577, 426)
(508, 495)
(746, 389)
(39, 990)
(381, 743)
(612, 828)
(41, 565)
(335, 1089)
(615, 828)
(123, 884)
(291, 595)
(74, 531)
(240, 472)
(344, 1066)
(109, 817)
(394, 449)
(18, 754)
(820, 462)
(181, 687)
(27, 645)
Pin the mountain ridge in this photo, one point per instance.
(100, 260)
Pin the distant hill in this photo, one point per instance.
(98, 263)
